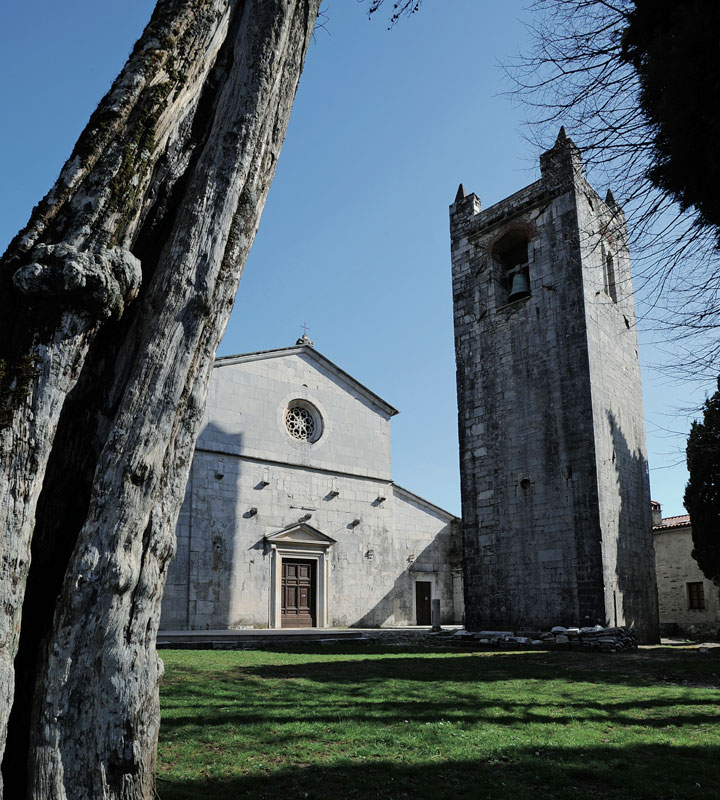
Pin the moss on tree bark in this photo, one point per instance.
(115, 297)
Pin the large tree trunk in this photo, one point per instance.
(114, 299)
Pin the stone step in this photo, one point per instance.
(222, 639)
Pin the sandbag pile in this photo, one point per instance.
(596, 638)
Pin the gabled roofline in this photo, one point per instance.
(424, 502)
(304, 349)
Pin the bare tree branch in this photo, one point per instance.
(577, 75)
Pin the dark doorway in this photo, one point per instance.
(298, 594)
(422, 602)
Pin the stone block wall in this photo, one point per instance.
(220, 576)
(250, 480)
(676, 568)
(542, 506)
(618, 419)
(249, 393)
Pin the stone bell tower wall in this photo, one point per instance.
(554, 530)
(619, 427)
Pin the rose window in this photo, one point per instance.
(300, 423)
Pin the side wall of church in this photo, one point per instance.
(425, 546)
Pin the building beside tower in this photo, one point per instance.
(554, 479)
(689, 602)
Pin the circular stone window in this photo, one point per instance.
(303, 421)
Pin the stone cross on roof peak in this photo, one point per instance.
(305, 339)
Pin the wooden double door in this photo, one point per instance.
(299, 593)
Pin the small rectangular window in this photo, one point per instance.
(696, 595)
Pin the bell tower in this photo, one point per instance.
(554, 480)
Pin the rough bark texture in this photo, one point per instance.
(114, 298)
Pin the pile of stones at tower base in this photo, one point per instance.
(598, 638)
(553, 463)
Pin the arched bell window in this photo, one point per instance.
(511, 253)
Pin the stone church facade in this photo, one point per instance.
(291, 517)
(554, 479)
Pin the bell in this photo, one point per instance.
(520, 287)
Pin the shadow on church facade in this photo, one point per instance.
(291, 518)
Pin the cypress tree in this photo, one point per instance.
(702, 494)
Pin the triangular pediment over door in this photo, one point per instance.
(300, 542)
(300, 534)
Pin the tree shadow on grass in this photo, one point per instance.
(504, 690)
(643, 772)
(470, 711)
(448, 645)
(640, 668)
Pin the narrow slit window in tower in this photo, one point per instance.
(610, 285)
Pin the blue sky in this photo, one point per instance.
(354, 239)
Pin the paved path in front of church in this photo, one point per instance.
(249, 637)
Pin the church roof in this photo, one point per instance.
(314, 355)
(673, 522)
(421, 501)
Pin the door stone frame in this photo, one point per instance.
(304, 542)
(429, 575)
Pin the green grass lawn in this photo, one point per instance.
(371, 722)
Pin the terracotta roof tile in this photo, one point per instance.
(673, 522)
